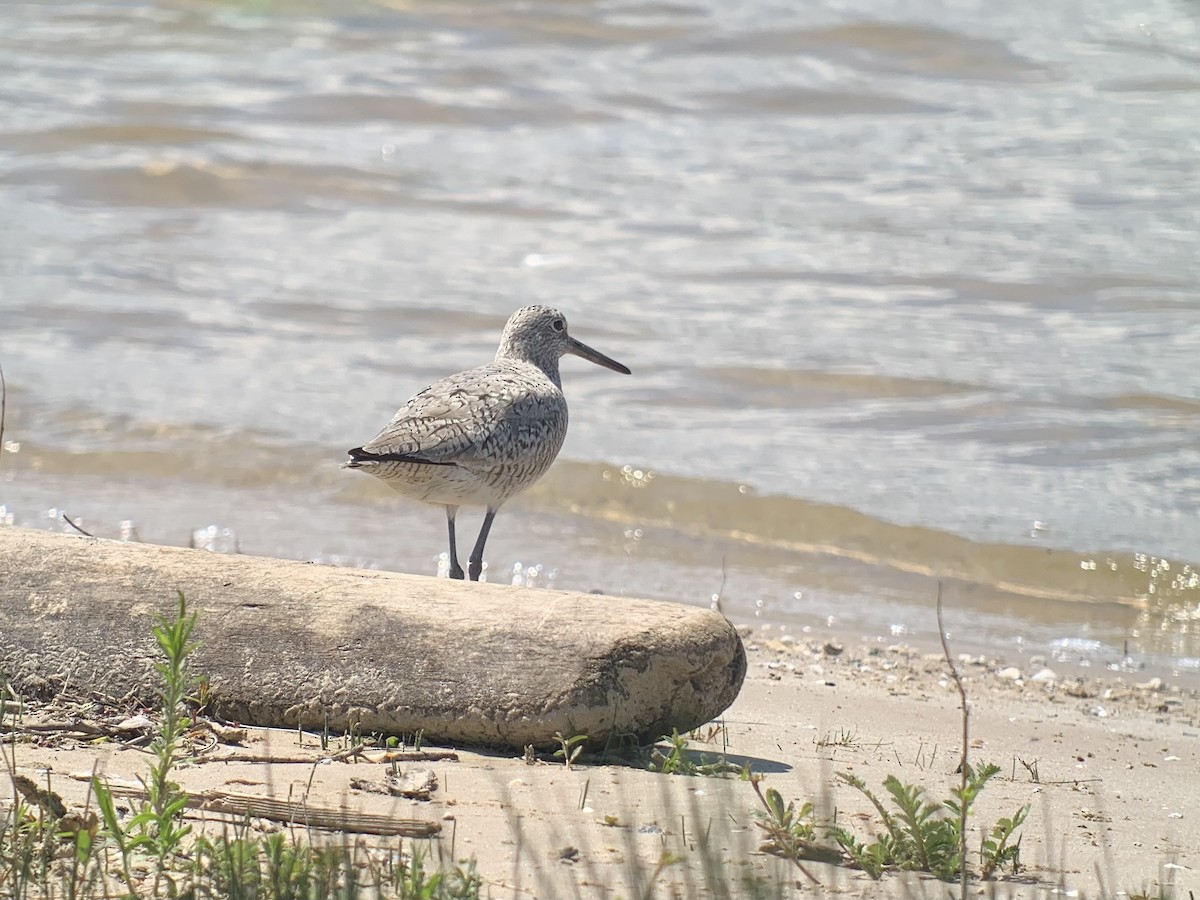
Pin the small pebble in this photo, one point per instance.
(135, 723)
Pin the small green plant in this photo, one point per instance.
(412, 882)
(241, 867)
(790, 833)
(923, 836)
(158, 827)
(843, 737)
(871, 858)
(571, 747)
(996, 852)
(29, 850)
(159, 819)
(125, 842)
(678, 760)
(232, 867)
(674, 762)
(784, 824)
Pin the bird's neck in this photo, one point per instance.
(548, 366)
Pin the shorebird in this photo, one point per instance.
(484, 435)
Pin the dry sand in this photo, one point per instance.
(1111, 769)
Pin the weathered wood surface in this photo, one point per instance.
(286, 644)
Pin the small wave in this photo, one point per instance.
(798, 101)
(825, 387)
(1151, 86)
(577, 31)
(1112, 292)
(643, 103)
(340, 109)
(400, 318)
(885, 47)
(724, 388)
(1079, 646)
(1156, 49)
(202, 183)
(1150, 402)
(66, 138)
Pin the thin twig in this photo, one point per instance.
(341, 756)
(71, 522)
(964, 766)
(3, 407)
(368, 754)
(67, 728)
(257, 758)
(326, 817)
(1071, 781)
(352, 752)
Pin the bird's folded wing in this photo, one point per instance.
(463, 420)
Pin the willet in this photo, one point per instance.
(480, 437)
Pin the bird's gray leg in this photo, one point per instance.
(475, 565)
(455, 569)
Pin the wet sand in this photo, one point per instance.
(1107, 765)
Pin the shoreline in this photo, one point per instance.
(897, 667)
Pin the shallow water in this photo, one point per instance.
(906, 299)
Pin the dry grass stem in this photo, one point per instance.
(964, 764)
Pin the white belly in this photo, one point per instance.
(456, 485)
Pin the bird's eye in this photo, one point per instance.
(559, 325)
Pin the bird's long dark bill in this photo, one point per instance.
(586, 352)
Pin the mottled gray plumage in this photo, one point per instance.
(483, 435)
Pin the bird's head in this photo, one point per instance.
(538, 335)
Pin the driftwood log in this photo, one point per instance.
(292, 644)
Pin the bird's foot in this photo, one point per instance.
(476, 569)
(456, 571)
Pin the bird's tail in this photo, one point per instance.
(360, 459)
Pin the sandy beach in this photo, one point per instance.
(1107, 766)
